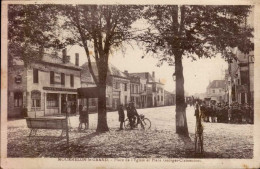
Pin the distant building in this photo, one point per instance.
(169, 98)
(117, 87)
(154, 89)
(42, 87)
(216, 90)
(135, 96)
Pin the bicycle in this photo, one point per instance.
(145, 123)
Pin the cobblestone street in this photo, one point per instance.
(221, 140)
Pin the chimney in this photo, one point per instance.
(64, 55)
(153, 74)
(77, 59)
(126, 72)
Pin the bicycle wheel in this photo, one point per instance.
(127, 124)
(146, 123)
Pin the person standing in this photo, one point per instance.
(130, 115)
(121, 115)
(83, 117)
(197, 112)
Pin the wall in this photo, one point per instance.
(16, 87)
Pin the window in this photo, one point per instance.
(161, 98)
(93, 102)
(52, 100)
(125, 86)
(145, 87)
(136, 88)
(125, 100)
(35, 76)
(18, 99)
(117, 85)
(158, 98)
(36, 98)
(71, 80)
(51, 77)
(213, 91)
(219, 90)
(62, 78)
(243, 77)
(107, 101)
(141, 87)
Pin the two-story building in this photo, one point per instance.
(154, 89)
(42, 87)
(117, 87)
(134, 89)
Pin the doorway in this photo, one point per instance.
(63, 101)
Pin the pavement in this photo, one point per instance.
(221, 140)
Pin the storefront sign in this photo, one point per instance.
(59, 89)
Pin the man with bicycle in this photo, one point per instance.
(135, 115)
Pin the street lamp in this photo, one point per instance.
(174, 76)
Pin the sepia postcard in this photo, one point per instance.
(117, 84)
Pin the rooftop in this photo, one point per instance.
(217, 84)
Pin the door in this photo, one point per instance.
(242, 98)
(63, 101)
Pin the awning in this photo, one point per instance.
(88, 92)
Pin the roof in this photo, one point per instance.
(88, 92)
(54, 59)
(167, 92)
(50, 58)
(112, 71)
(148, 76)
(217, 84)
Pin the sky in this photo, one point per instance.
(197, 74)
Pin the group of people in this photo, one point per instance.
(224, 113)
(132, 115)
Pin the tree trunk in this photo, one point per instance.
(181, 120)
(102, 110)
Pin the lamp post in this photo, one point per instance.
(174, 76)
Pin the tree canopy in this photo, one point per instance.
(197, 30)
(30, 29)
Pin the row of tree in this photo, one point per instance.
(173, 32)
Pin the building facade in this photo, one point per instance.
(240, 78)
(152, 88)
(117, 87)
(216, 90)
(135, 84)
(169, 98)
(42, 87)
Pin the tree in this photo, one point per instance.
(102, 28)
(31, 28)
(180, 31)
